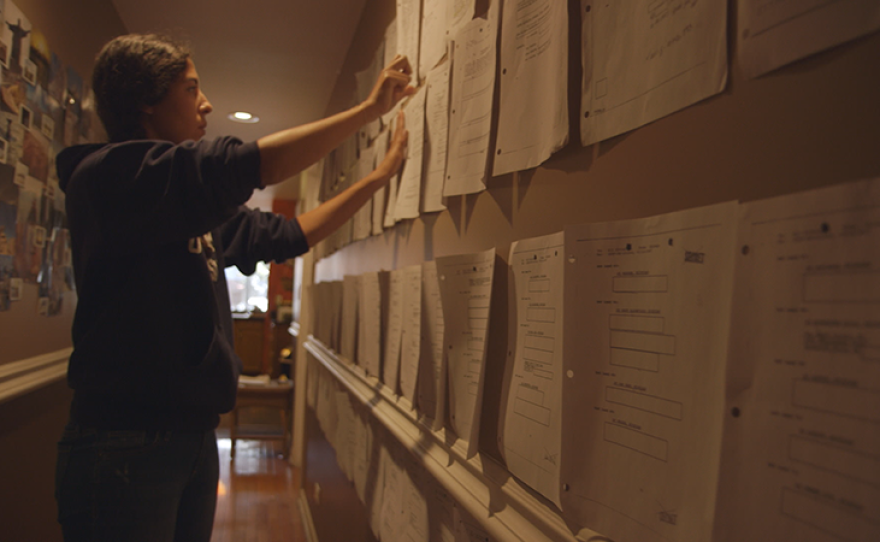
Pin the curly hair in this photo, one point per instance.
(132, 72)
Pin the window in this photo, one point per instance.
(248, 293)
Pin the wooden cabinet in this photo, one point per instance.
(249, 343)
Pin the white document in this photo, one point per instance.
(466, 291)
(773, 33)
(411, 336)
(370, 324)
(363, 219)
(345, 438)
(803, 451)
(327, 411)
(409, 19)
(415, 500)
(647, 311)
(376, 480)
(393, 514)
(646, 59)
(441, 510)
(436, 137)
(435, 36)
(394, 330)
(350, 325)
(470, 117)
(533, 113)
(381, 148)
(459, 13)
(468, 529)
(366, 80)
(410, 189)
(362, 456)
(391, 201)
(432, 371)
(532, 427)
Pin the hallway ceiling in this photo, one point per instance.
(277, 59)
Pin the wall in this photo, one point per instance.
(813, 123)
(31, 424)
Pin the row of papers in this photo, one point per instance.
(709, 374)
(402, 500)
(641, 60)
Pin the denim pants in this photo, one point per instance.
(136, 486)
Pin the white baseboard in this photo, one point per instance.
(24, 376)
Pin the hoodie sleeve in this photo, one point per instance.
(252, 236)
(150, 191)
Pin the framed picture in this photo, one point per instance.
(26, 117)
(30, 72)
(39, 236)
(21, 173)
(15, 287)
(48, 127)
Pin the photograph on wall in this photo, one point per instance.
(35, 155)
(56, 273)
(15, 33)
(30, 72)
(8, 213)
(28, 256)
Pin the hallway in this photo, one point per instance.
(257, 495)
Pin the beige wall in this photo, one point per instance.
(30, 425)
(811, 124)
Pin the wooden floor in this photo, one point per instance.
(256, 500)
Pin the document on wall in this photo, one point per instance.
(391, 50)
(416, 489)
(436, 137)
(335, 289)
(646, 59)
(345, 437)
(459, 13)
(647, 312)
(435, 36)
(363, 218)
(362, 456)
(773, 33)
(381, 148)
(411, 337)
(468, 529)
(802, 443)
(470, 117)
(393, 514)
(350, 325)
(532, 427)
(432, 370)
(326, 411)
(391, 201)
(533, 111)
(410, 190)
(370, 324)
(409, 19)
(466, 292)
(441, 512)
(366, 80)
(391, 365)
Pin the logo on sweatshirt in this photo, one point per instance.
(205, 245)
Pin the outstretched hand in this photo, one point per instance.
(392, 86)
(390, 165)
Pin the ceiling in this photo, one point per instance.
(277, 59)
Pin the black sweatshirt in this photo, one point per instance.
(152, 226)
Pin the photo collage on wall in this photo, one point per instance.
(45, 106)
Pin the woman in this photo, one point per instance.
(155, 215)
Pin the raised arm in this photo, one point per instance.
(320, 222)
(288, 152)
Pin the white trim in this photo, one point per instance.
(520, 516)
(306, 515)
(24, 376)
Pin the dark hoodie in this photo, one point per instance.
(152, 333)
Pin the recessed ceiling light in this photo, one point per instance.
(243, 117)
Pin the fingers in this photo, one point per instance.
(400, 64)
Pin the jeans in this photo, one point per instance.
(136, 486)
